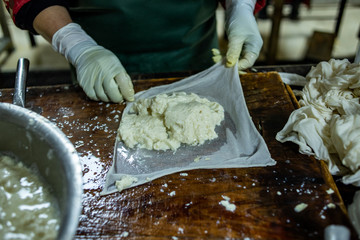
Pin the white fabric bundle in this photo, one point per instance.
(328, 123)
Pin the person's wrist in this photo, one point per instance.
(242, 4)
(238, 13)
(71, 40)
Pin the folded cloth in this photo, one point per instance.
(293, 79)
(327, 125)
(239, 144)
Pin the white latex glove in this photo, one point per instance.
(245, 41)
(99, 71)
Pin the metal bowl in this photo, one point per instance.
(37, 142)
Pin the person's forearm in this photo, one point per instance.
(50, 20)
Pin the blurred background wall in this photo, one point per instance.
(315, 34)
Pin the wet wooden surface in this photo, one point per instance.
(187, 205)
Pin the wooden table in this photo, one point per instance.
(187, 205)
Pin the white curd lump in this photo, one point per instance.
(166, 121)
(27, 209)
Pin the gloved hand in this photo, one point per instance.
(99, 71)
(245, 41)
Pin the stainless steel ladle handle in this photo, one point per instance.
(22, 70)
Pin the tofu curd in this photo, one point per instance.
(27, 209)
(167, 121)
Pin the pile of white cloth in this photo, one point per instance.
(327, 125)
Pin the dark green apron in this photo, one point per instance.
(152, 36)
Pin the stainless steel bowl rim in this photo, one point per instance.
(61, 144)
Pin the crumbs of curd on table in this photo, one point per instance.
(226, 203)
(300, 207)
